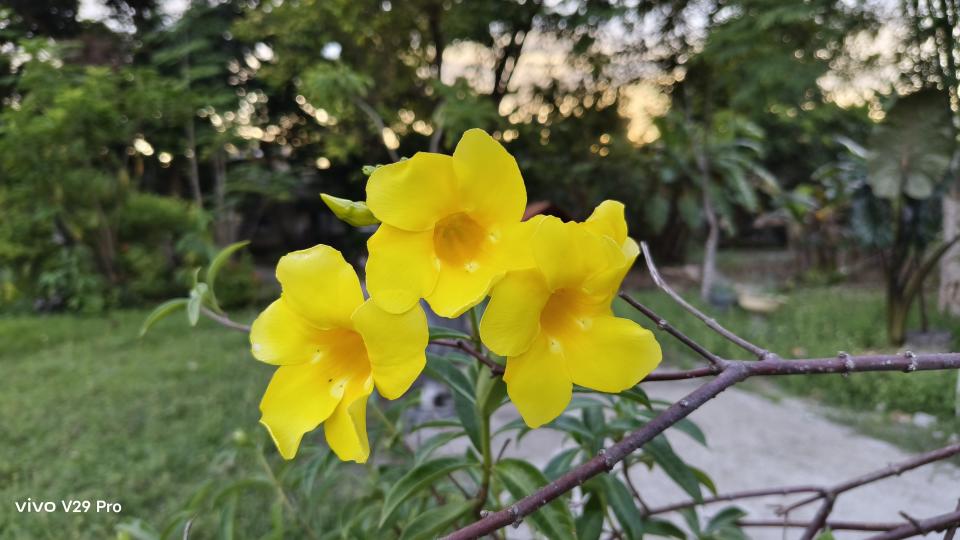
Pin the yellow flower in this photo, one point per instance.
(554, 323)
(448, 229)
(332, 348)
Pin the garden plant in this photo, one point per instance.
(541, 337)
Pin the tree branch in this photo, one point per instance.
(224, 320)
(662, 323)
(833, 525)
(495, 368)
(738, 495)
(733, 372)
(759, 352)
(894, 469)
(922, 526)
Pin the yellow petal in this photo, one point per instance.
(610, 354)
(513, 249)
(401, 268)
(511, 320)
(538, 383)
(281, 336)
(320, 285)
(459, 289)
(413, 194)
(346, 429)
(558, 249)
(489, 180)
(609, 266)
(608, 219)
(395, 346)
(297, 400)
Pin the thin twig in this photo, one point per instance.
(832, 525)
(662, 323)
(759, 352)
(894, 469)
(224, 320)
(933, 524)
(952, 531)
(820, 519)
(738, 495)
(633, 488)
(495, 368)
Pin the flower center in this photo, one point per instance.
(458, 240)
(567, 310)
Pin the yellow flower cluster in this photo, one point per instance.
(451, 234)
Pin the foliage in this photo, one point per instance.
(910, 151)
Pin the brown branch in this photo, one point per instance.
(820, 518)
(833, 525)
(759, 352)
(952, 531)
(894, 469)
(495, 368)
(738, 495)
(922, 526)
(224, 320)
(731, 374)
(662, 323)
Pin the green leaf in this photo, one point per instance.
(416, 479)
(466, 411)
(228, 517)
(429, 446)
(354, 213)
(490, 392)
(443, 370)
(637, 395)
(554, 519)
(560, 463)
(197, 295)
(704, 479)
(432, 523)
(662, 527)
(590, 522)
(160, 312)
(662, 453)
(624, 508)
(220, 259)
(827, 534)
(685, 425)
(442, 332)
(723, 525)
(910, 150)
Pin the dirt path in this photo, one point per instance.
(759, 443)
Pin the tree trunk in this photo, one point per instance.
(224, 229)
(709, 273)
(949, 297)
(194, 170)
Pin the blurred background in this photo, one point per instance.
(793, 166)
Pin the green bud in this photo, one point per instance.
(355, 213)
(368, 169)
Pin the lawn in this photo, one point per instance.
(90, 412)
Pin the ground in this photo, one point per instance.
(91, 412)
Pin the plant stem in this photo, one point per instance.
(475, 328)
(487, 452)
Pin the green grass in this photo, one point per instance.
(90, 412)
(816, 322)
